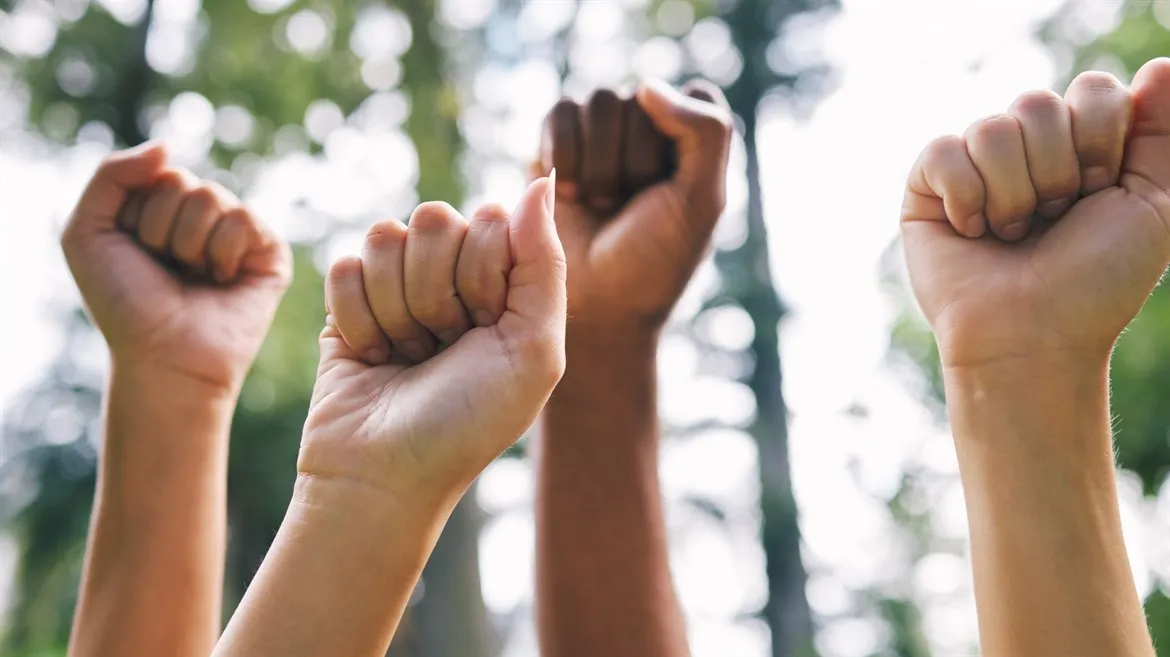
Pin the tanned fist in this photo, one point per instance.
(640, 184)
(174, 271)
(1041, 232)
(444, 340)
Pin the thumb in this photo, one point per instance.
(1146, 170)
(115, 178)
(700, 124)
(536, 283)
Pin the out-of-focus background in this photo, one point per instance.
(829, 496)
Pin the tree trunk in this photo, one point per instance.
(787, 612)
(749, 278)
(134, 84)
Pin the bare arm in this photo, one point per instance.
(397, 430)
(602, 561)
(1032, 241)
(634, 233)
(159, 521)
(182, 337)
(338, 575)
(1051, 572)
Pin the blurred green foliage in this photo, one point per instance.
(1140, 370)
(241, 58)
(1141, 362)
(1142, 33)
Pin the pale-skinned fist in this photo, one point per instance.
(443, 342)
(640, 185)
(175, 272)
(1041, 232)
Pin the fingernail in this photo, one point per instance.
(483, 318)
(550, 192)
(1014, 231)
(1094, 179)
(1054, 209)
(976, 225)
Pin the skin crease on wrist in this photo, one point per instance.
(1031, 242)
(159, 522)
(444, 340)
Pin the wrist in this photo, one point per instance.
(598, 359)
(157, 384)
(606, 404)
(153, 411)
(1044, 413)
(1038, 385)
(1023, 377)
(356, 503)
(329, 469)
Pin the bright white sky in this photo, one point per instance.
(909, 70)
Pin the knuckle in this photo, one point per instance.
(204, 198)
(566, 109)
(1040, 103)
(942, 150)
(385, 234)
(945, 144)
(235, 222)
(994, 127)
(344, 269)
(434, 215)
(604, 99)
(1097, 83)
(491, 213)
(242, 216)
(169, 183)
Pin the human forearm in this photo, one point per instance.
(154, 569)
(603, 576)
(1036, 458)
(339, 573)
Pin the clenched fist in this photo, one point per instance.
(175, 273)
(443, 342)
(640, 186)
(1041, 232)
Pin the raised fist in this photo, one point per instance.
(1041, 232)
(640, 184)
(443, 342)
(174, 271)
